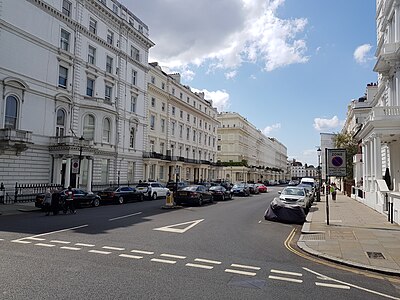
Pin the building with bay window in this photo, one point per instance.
(74, 81)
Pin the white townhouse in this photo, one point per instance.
(379, 132)
(246, 153)
(73, 77)
(181, 131)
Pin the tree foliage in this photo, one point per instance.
(346, 141)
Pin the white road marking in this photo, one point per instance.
(173, 256)
(60, 242)
(285, 279)
(70, 248)
(126, 216)
(207, 261)
(199, 266)
(352, 285)
(286, 273)
(44, 245)
(1, 239)
(113, 248)
(164, 261)
(142, 252)
(56, 231)
(131, 256)
(35, 239)
(240, 272)
(171, 228)
(337, 286)
(21, 242)
(245, 267)
(84, 245)
(99, 252)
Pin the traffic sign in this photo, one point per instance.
(75, 166)
(336, 162)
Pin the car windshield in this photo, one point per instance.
(293, 192)
(216, 188)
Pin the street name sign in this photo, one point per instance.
(336, 162)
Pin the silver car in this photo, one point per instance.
(293, 195)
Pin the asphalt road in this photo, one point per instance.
(224, 250)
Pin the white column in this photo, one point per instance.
(57, 170)
(68, 173)
(396, 24)
(373, 171)
(364, 168)
(89, 172)
(378, 157)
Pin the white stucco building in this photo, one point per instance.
(72, 69)
(379, 132)
(249, 154)
(181, 131)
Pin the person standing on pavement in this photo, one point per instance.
(47, 202)
(333, 191)
(69, 201)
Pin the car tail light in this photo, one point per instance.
(112, 194)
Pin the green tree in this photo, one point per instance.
(346, 141)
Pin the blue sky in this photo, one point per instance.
(291, 67)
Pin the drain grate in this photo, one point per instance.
(375, 255)
(313, 237)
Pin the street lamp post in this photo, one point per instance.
(319, 175)
(81, 139)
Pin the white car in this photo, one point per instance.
(295, 196)
(152, 190)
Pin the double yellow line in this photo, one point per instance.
(288, 246)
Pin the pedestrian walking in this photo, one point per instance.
(47, 202)
(69, 201)
(55, 202)
(333, 191)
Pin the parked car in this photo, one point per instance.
(120, 194)
(278, 211)
(295, 196)
(193, 194)
(241, 189)
(172, 184)
(253, 189)
(219, 192)
(261, 188)
(309, 189)
(152, 190)
(81, 197)
(293, 182)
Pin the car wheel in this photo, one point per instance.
(96, 202)
(121, 200)
(155, 196)
(200, 201)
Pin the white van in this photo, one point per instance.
(309, 181)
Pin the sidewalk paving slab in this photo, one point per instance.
(17, 208)
(357, 236)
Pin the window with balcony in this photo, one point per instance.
(162, 146)
(88, 127)
(110, 37)
(106, 130)
(90, 87)
(92, 25)
(11, 116)
(64, 40)
(91, 55)
(109, 64)
(60, 122)
(151, 148)
(152, 122)
(62, 77)
(66, 8)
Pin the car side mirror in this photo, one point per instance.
(279, 192)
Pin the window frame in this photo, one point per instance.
(90, 90)
(92, 25)
(91, 55)
(106, 137)
(60, 68)
(64, 41)
(66, 8)
(60, 128)
(11, 121)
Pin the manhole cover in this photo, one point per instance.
(313, 237)
(250, 283)
(375, 255)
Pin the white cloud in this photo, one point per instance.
(253, 77)
(321, 124)
(230, 75)
(361, 54)
(235, 31)
(308, 156)
(219, 98)
(267, 130)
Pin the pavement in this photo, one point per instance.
(357, 235)
(17, 208)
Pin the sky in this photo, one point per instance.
(291, 67)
